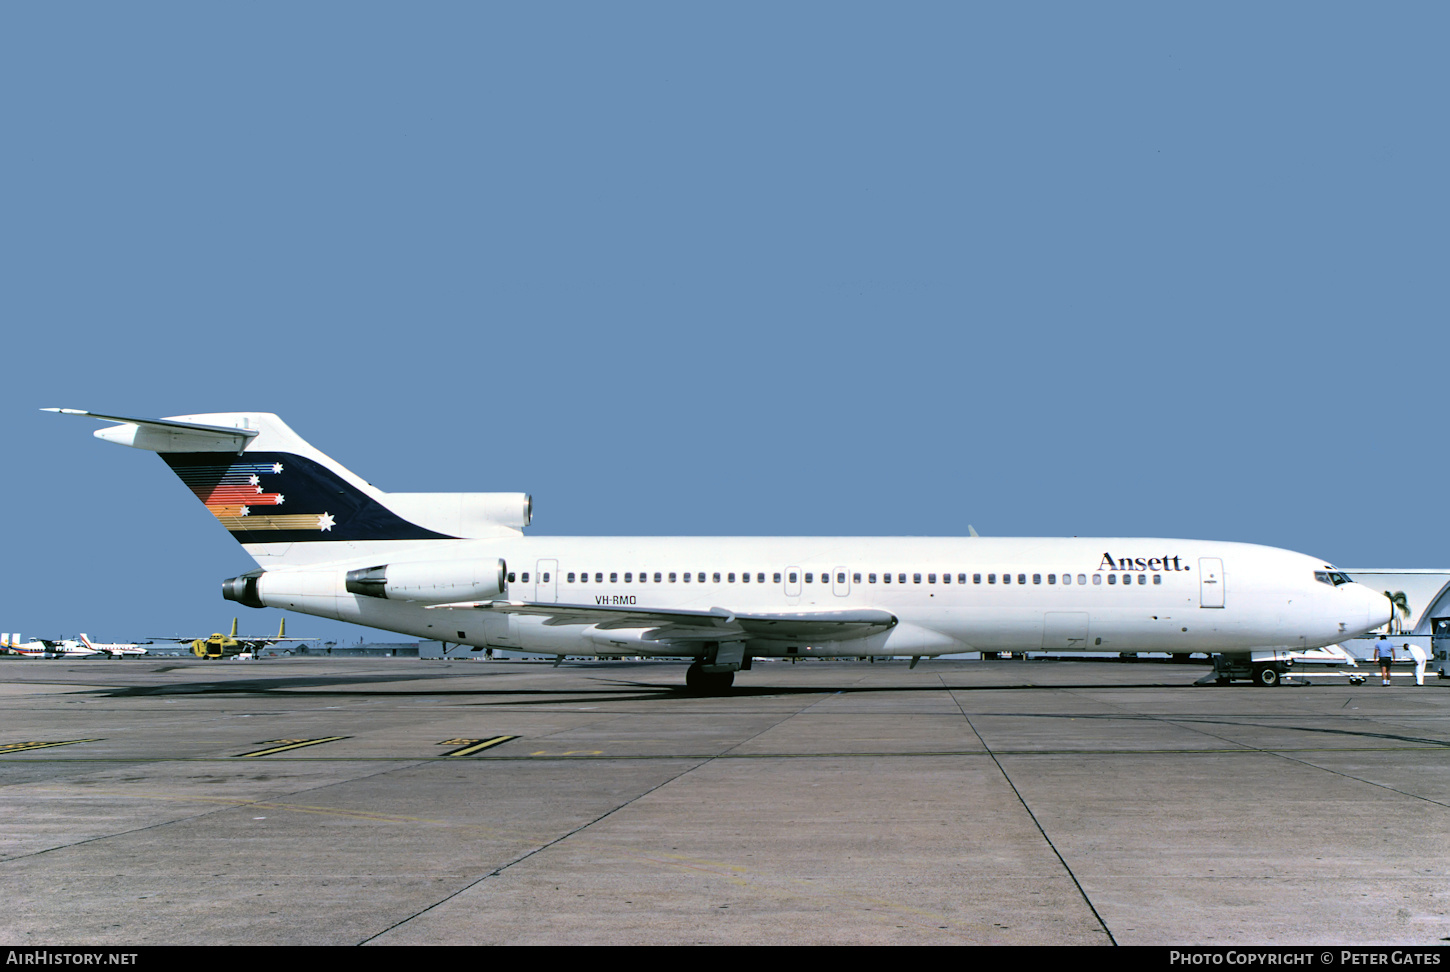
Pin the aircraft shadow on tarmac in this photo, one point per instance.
(629, 690)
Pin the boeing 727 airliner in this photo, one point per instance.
(458, 567)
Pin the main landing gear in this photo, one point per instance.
(701, 682)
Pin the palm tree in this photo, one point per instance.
(1398, 604)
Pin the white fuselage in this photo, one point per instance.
(947, 594)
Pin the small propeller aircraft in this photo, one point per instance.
(218, 645)
(46, 648)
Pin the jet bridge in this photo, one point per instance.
(1440, 646)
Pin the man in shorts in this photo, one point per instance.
(1384, 653)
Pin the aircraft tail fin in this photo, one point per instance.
(289, 504)
(234, 629)
(282, 628)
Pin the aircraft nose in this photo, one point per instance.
(1379, 610)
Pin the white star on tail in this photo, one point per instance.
(325, 522)
(276, 467)
(254, 480)
(245, 511)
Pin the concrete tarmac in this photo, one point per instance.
(996, 802)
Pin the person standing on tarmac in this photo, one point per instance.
(1384, 653)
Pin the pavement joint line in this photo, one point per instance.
(523, 857)
(227, 804)
(563, 837)
(1281, 754)
(1236, 750)
(1195, 724)
(1036, 823)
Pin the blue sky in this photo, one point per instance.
(805, 268)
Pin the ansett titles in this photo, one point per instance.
(1138, 563)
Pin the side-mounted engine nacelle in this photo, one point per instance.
(432, 582)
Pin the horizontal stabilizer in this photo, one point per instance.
(166, 435)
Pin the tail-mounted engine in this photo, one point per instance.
(433, 582)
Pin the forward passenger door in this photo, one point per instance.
(546, 582)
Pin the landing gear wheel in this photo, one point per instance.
(701, 682)
(1267, 676)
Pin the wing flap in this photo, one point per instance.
(716, 623)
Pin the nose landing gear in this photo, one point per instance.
(1266, 675)
(1267, 672)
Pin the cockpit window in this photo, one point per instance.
(1334, 578)
(1322, 576)
(1341, 578)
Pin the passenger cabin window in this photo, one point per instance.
(1082, 579)
(657, 577)
(916, 578)
(1052, 578)
(1097, 578)
(855, 578)
(511, 577)
(976, 578)
(901, 578)
(931, 578)
(1112, 578)
(571, 577)
(991, 578)
(1021, 578)
(870, 578)
(672, 577)
(701, 577)
(628, 577)
(687, 577)
(886, 578)
(760, 578)
(1157, 578)
(1006, 578)
(525, 577)
(1037, 578)
(810, 578)
(717, 577)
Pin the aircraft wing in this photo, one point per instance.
(271, 640)
(716, 624)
